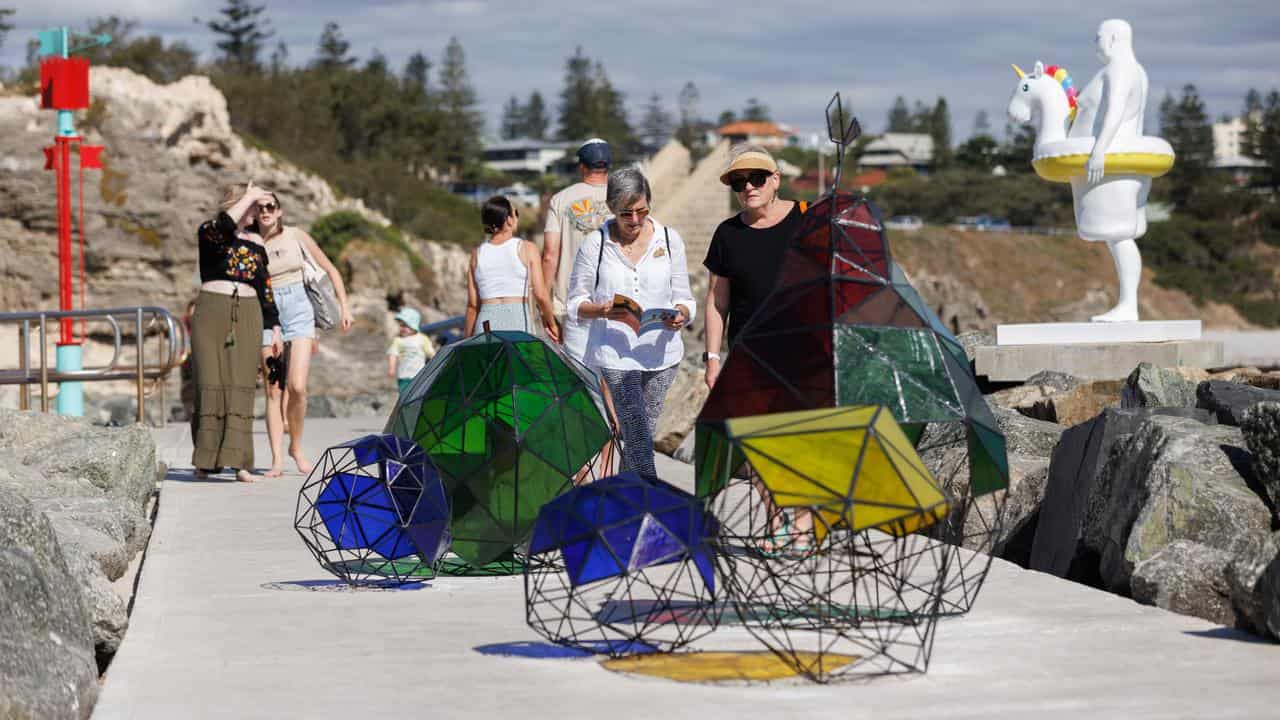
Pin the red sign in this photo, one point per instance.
(64, 83)
(91, 157)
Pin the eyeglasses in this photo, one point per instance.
(757, 178)
(640, 214)
(269, 207)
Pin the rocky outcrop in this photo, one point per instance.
(1253, 577)
(1261, 428)
(1188, 578)
(93, 485)
(1230, 401)
(47, 666)
(1173, 479)
(1151, 386)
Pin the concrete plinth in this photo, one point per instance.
(1144, 331)
(1101, 361)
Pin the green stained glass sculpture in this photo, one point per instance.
(510, 421)
(844, 327)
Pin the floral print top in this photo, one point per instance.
(224, 255)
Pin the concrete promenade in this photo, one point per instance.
(233, 619)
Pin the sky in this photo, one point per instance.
(790, 55)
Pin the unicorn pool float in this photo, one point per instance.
(1093, 140)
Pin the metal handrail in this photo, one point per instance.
(171, 354)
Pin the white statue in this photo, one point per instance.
(1094, 141)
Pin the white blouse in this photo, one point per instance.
(660, 279)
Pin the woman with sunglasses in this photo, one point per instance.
(635, 256)
(743, 261)
(505, 273)
(289, 248)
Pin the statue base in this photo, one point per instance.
(1095, 351)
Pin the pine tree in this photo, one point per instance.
(609, 113)
(1269, 137)
(535, 117)
(755, 110)
(416, 79)
(899, 117)
(242, 32)
(5, 25)
(981, 125)
(940, 130)
(331, 54)
(1250, 140)
(1018, 148)
(576, 98)
(1185, 124)
(726, 118)
(279, 58)
(513, 119)
(656, 126)
(461, 123)
(687, 133)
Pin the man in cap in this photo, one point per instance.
(572, 215)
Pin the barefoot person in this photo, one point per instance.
(636, 256)
(288, 248)
(505, 273)
(234, 305)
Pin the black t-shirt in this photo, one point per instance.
(750, 258)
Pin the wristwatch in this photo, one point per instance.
(708, 355)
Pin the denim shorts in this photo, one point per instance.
(297, 319)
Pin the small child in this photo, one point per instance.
(410, 351)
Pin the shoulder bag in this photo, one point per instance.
(319, 287)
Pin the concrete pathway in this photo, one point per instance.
(225, 627)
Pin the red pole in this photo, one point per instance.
(64, 235)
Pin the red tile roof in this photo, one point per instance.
(752, 127)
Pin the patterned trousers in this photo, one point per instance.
(637, 397)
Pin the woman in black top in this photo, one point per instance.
(234, 305)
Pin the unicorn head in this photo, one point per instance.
(1046, 97)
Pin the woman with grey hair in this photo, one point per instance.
(630, 281)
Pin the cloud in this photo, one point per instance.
(791, 56)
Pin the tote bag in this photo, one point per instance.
(319, 287)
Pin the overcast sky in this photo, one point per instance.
(791, 55)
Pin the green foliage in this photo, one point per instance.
(656, 126)
(241, 34)
(5, 25)
(940, 131)
(1185, 124)
(148, 55)
(756, 111)
(689, 133)
(943, 196)
(334, 231)
(980, 152)
(1268, 137)
(527, 120)
(590, 106)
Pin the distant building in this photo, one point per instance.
(894, 150)
(1228, 151)
(758, 132)
(523, 156)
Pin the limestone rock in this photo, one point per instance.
(1261, 428)
(684, 401)
(1186, 577)
(1151, 386)
(47, 664)
(1078, 460)
(1172, 479)
(1230, 400)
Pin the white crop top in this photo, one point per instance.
(499, 271)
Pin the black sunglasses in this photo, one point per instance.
(757, 178)
(268, 207)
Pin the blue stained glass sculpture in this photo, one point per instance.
(374, 510)
(620, 566)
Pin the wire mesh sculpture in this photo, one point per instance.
(510, 420)
(843, 326)
(622, 565)
(854, 592)
(373, 511)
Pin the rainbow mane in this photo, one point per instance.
(1068, 86)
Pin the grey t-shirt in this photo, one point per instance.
(575, 212)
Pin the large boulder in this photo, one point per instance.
(1027, 436)
(1261, 428)
(1253, 577)
(1229, 400)
(1186, 577)
(1077, 462)
(1172, 479)
(1151, 386)
(47, 663)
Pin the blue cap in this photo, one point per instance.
(595, 153)
(410, 317)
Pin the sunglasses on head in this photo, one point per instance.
(269, 206)
(757, 178)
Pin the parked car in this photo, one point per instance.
(984, 223)
(522, 194)
(909, 223)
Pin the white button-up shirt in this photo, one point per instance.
(660, 279)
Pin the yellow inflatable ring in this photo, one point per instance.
(1062, 160)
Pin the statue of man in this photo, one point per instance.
(1111, 106)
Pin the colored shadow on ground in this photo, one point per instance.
(452, 565)
(338, 586)
(534, 650)
(712, 667)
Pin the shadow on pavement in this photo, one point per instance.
(1226, 633)
(339, 586)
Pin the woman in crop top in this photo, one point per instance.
(505, 272)
(287, 248)
(234, 305)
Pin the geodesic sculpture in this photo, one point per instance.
(510, 420)
(622, 565)
(844, 327)
(374, 510)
